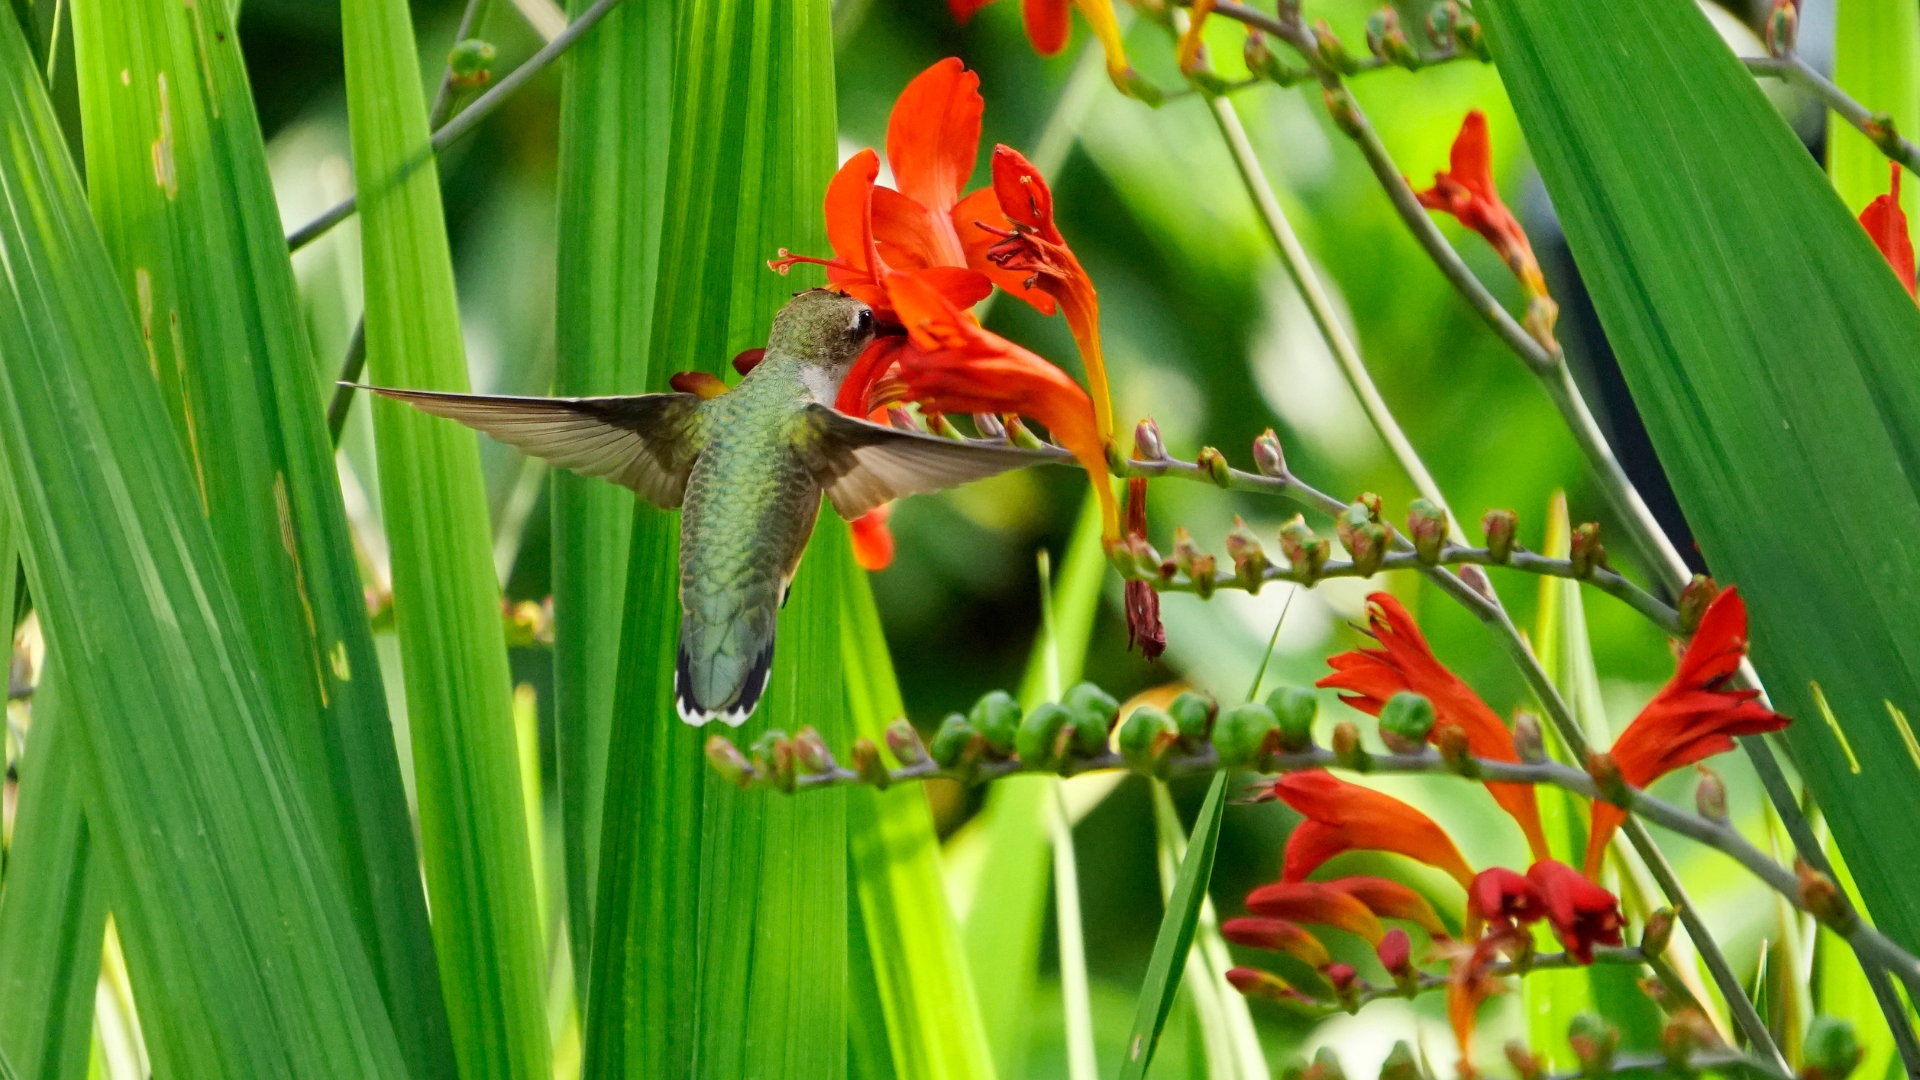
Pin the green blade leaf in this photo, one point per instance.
(922, 982)
(164, 97)
(1770, 351)
(53, 915)
(224, 885)
(747, 892)
(446, 601)
(614, 114)
(1003, 923)
(1175, 938)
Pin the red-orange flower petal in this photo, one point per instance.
(1503, 898)
(1886, 223)
(1347, 817)
(964, 10)
(1368, 678)
(1471, 982)
(1048, 24)
(1392, 900)
(933, 134)
(872, 540)
(1694, 716)
(981, 225)
(958, 367)
(1466, 190)
(1036, 248)
(1310, 902)
(1583, 914)
(1277, 935)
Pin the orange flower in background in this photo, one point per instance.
(1368, 678)
(1347, 817)
(1049, 23)
(1392, 900)
(1694, 716)
(1886, 223)
(1033, 248)
(1310, 902)
(1583, 914)
(1277, 935)
(1466, 190)
(1472, 981)
(872, 540)
(955, 366)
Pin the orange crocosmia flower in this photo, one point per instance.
(872, 540)
(1034, 249)
(1347, 817)
(1392, 900)
(955, 366)
(1311, 902)
(1500, 897)
(1886, 223)
(1471, 982)
(1694, 716)
(1583, 914)
(1466, 191)
(1368, 678)
(1277, 935)
(1050, 22)
(853, 230)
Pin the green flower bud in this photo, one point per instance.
(1401, 1064)
(952, 740)
(1268, 457)
(1332, 52)
(1194, 711)
(1294, 708)
(1146, 738)
(1249, 559)
(1405, 721)
(1588, 554)
(470, 63)
(1783, 27)
(1038, 733)
(1694, 599)
(1593, 1041)
(1245, 734)
(1191, 561)
(1094, 711)
(1305, 552)
(1146, 441)
(1498, 525)
(729, 762)
(1213, 465)
(810, 752)
(867, 764)
(1831, 1050)
(996, 716)
(1427, 524)
(905, 742)
(772, 755)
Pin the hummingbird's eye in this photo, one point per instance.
(863, 321)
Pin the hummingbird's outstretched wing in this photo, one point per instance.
(861, 465)
(646, 442)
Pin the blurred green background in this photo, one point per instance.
(1204, 333)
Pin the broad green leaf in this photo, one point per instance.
(177, 178)
(1876, 59)
(923, 984)
(614, 112)
(1003, 923)
(1771, 352)
(446, 602)
(1553, 998)
(719, 936)
(53, 915)
(1175, 939)
(223, 881)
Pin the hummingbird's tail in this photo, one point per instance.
(687, 693)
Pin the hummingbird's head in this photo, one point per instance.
(822, 329)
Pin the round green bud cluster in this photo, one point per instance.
(1405, 721)
(1295, 709)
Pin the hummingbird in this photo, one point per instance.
(747, 470)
